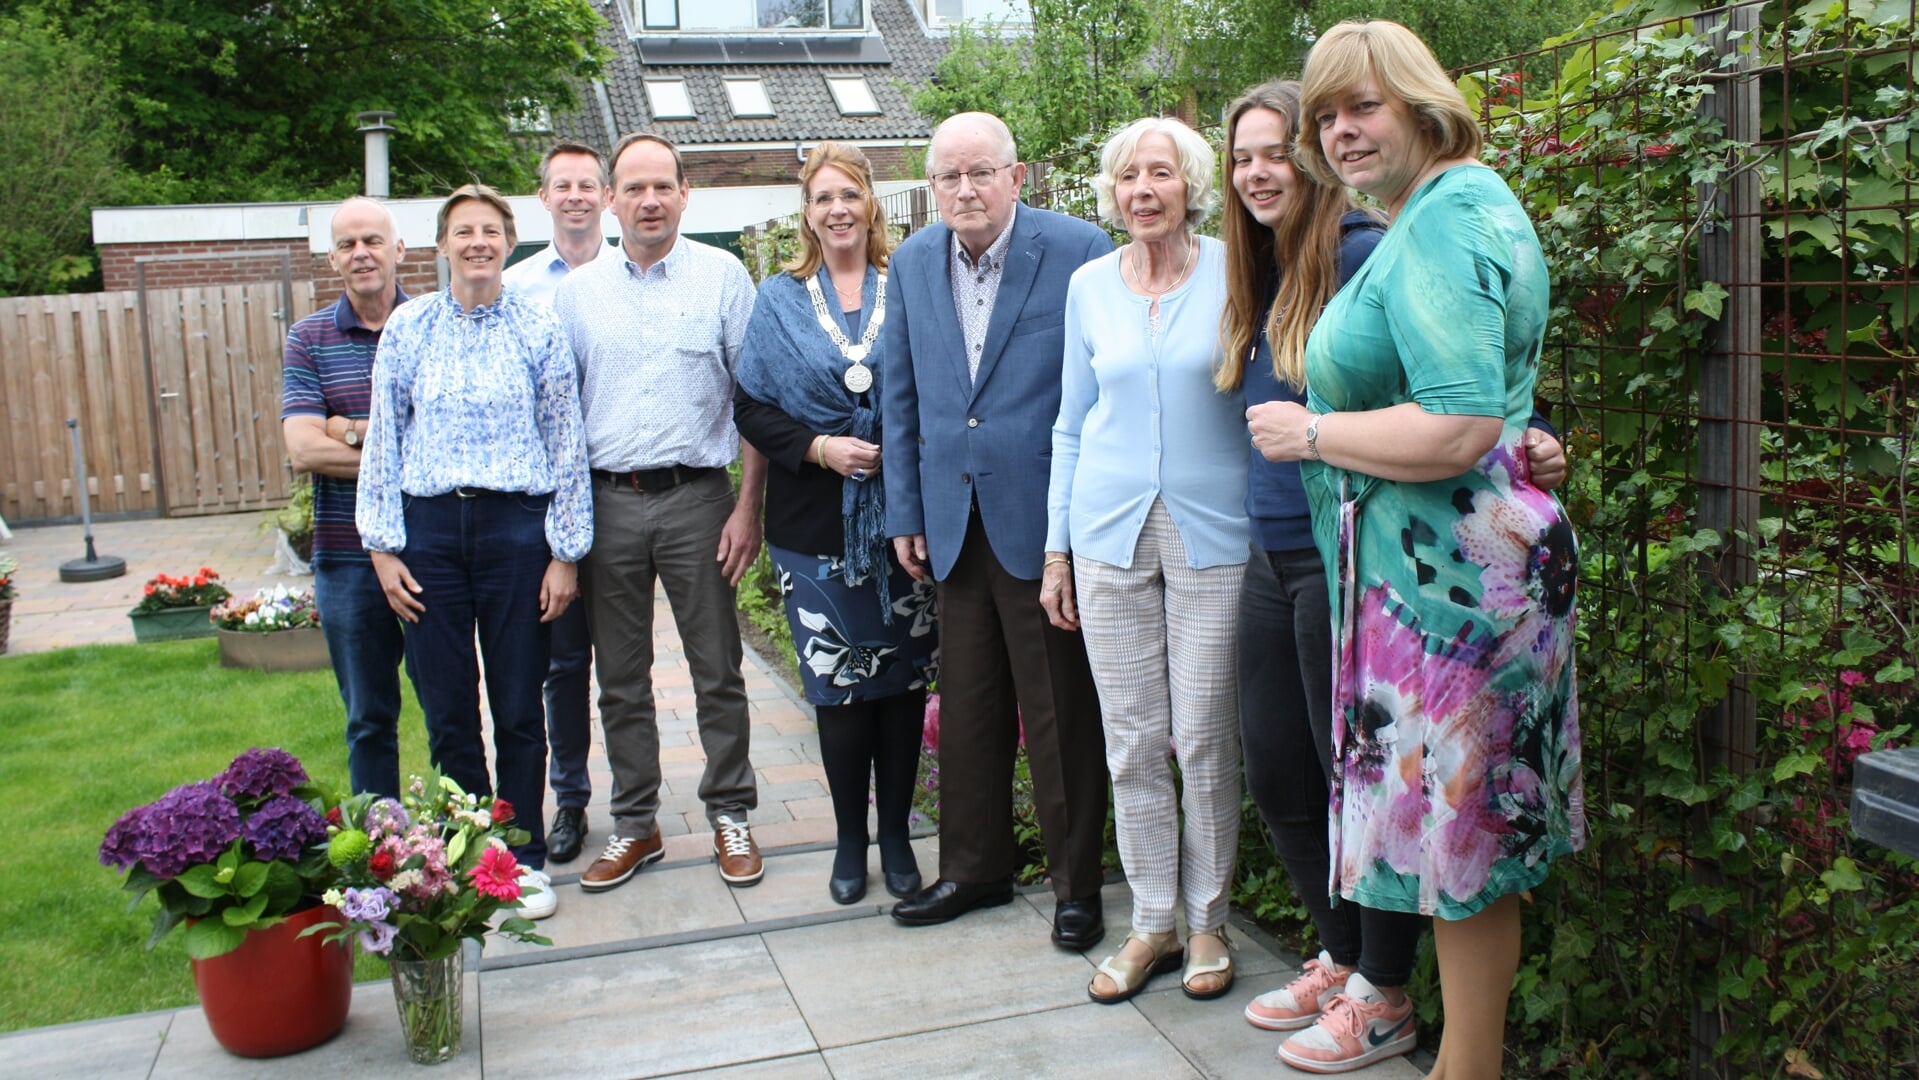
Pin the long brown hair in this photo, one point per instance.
(848, 159)
(1301, 255)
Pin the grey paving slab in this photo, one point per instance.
(795, 884)
(1085, 1040)
(1215, 1036)
(1251, 954)
(652, 1013)
(658, 900)
(124, 1047)
(369, 1045)
(802, 1067)
(873, 979)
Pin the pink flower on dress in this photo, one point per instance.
(497, 875)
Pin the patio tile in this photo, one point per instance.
(369, 1045)
(800, 1067)
(795, 884)
(639, 1014)
(1251, 954)
(654, 903)
(906, 980)
(1217, 1038)
(107, 1049)
(1086, 1040)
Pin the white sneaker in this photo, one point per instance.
(536, 894)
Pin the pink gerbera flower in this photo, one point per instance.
(497, 874)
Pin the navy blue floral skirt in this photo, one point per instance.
(846, 650)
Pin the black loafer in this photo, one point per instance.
(903, 885)
(566, 835)
(846, 890)
(946, 900)
(1078, 924)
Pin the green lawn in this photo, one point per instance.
(85, 735)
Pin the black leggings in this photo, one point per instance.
(879, 739)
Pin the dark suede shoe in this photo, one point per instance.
(946, 900)
(1078, 924)
(566, 835)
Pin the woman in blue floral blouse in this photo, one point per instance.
(474, 504)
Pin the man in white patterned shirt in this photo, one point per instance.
(655, 331)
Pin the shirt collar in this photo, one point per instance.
(345, 318)
(995, 255)
(668, 266)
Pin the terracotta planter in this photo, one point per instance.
(278, 993)
(171, 624)
(277, 650)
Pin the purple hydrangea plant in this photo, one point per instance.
(260, 773)
(282, 828)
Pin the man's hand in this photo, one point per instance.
(558, 588)
(398, 585)
(1546, 458)
(911, 552)
(739, 541)
(1056, 592)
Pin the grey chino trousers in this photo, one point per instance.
(673, 537)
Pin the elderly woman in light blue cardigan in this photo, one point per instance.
(1146, 542)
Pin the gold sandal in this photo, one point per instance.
(1221, 966)
(1130, 977)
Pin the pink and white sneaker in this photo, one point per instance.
(1298, 1003)
(1357, 1029)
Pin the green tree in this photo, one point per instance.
(234, 99)
(60, 143)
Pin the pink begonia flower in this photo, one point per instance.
(497, 874)
(930, 731)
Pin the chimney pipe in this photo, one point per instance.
(374, 126)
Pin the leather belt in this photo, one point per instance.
(653, 480)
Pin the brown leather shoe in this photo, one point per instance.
(622, 858)
(738, 855)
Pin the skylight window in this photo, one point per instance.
(668, 99)
(748, 98)
(853, 95)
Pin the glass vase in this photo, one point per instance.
(427, 993)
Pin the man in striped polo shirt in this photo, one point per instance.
(326, 388)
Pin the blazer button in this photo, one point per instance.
(966, 478)
(972, 421)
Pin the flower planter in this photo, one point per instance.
(6, 624)
(278, 993)
(171, 624)
(275, 650)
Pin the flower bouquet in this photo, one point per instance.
(278, 608)
(418, 876)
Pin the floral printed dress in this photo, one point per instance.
(1456, 733)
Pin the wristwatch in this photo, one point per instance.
(352, 436)
(1312, 436)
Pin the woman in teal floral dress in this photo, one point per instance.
(1456, 779)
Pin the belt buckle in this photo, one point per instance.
(467, 493)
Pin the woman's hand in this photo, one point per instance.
(1056, 591)
(846, 455)
(559, 587)
(398, 585)
(1279, 430)
(1545, 459)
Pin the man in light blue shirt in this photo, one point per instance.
(575, 190)
(656, 329)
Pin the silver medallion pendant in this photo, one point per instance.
(859, 377)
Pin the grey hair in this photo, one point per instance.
(1196, 164)
(392, 223)
(996, 127)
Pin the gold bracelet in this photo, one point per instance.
(819, 451)
(1060, 559)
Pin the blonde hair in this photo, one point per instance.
(849, 160)
(1196, 166)
(1402, 66)
(477, 193)
(1295, 262)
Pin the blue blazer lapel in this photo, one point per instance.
(1016, 281)
(938, 284)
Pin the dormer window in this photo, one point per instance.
(709, 16)
(668, 99)
(949, 12)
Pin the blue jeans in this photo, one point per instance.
(569, 727)
(364, 637)
(479, 561)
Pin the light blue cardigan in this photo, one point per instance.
(1139, 420)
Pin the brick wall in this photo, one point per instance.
(216, 264)
(735, 168)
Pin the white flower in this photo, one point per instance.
(333, 897)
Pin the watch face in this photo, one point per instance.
(352, 437)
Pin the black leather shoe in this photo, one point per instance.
(846, 890)
(566, 835)
(903, 885)
(946, 900)
(1078, 924)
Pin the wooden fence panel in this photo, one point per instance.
(216, 361)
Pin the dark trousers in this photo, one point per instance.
(1001, 661)
(479, 562)
(1286, 730)
(365, 640)
(569, 726)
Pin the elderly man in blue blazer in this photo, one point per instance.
(974, 340)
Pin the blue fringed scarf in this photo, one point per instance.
(788, 362)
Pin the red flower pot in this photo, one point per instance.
(278, 993)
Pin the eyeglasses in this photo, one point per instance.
(949, 181)
(826, 198)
